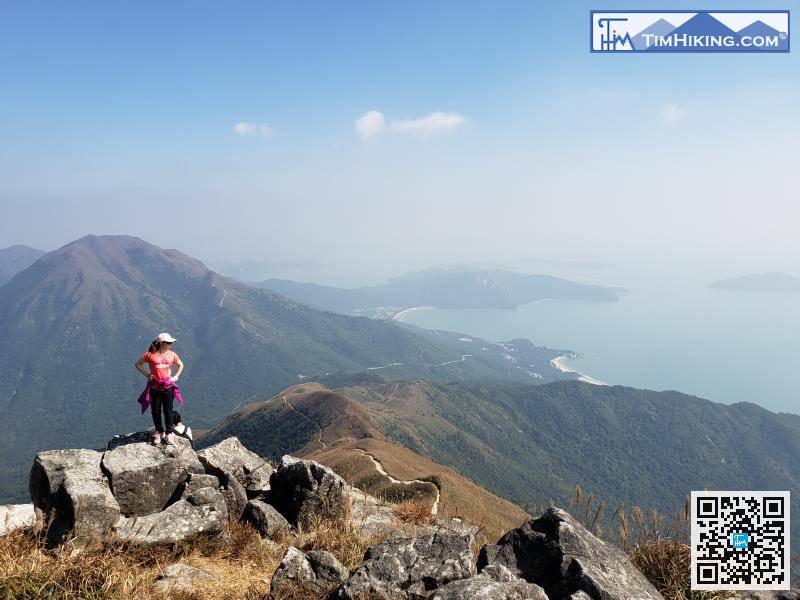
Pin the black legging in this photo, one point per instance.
(159, 399)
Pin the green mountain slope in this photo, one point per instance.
(531, 444)
(76, 320)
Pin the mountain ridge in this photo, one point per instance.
(14, 259)
(80, 316)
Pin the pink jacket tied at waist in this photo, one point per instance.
(158, 384)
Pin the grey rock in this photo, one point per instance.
(483, 587)
(231, 456)
(304, 490)
(16, 516)
(180, 577)
(580, 595)
(143, 477)
(265, 519)
(49, 469)
(143, 437)
(498, 573)
(69, 488)
(199, 480)
(202, 513)
(317, 573)
(93, 509)
(411, 568)
(369, 516)
(235, 496)
(556, 552)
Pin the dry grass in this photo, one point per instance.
(242, 563)
(339, 538)
(413, 512)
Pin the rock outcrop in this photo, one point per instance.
(137, 492)
(411, 568)
(68, 487)
(493, 583)
(143, 477)
(202, 513)
(16, 516)
(265, 519)
(143, 494)
(557, 553)
(317, 573)
(304, 490)
(231, 457)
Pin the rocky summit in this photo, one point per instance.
(137, 493)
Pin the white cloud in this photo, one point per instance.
(428, 125)
(672, 113)
(370, 124)
(373, 123)
(246, 128)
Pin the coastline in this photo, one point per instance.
(558, 363)
(399, 316)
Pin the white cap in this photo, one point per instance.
(165, 337)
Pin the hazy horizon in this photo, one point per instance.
(259, 133)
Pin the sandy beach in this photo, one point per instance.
(558, 363)
(399, 316)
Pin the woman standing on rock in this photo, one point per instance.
(162, 387)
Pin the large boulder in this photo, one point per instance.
(315, 574)
(143, 477)
(411, 568)
(16, 516)
(265, 519)
(93, 509)
(69, 488)
(494, 583)
(556, 552)
(231, 456)
(50, 468)
(305, 491)
(202, 513)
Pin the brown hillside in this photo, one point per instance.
(458, 497)
(339, 431)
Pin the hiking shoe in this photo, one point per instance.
(157, 438)
(169, 439)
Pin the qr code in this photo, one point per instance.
(740, 540)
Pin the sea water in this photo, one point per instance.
(724, 346)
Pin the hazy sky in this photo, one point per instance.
(402, 133)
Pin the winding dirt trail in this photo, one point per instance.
(382, 471)
(307, 418)
(375, 461)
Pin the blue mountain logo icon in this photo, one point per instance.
(697, 31)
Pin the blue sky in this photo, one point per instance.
(119, 118)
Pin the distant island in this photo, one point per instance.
(442, 288)
(762, 282)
